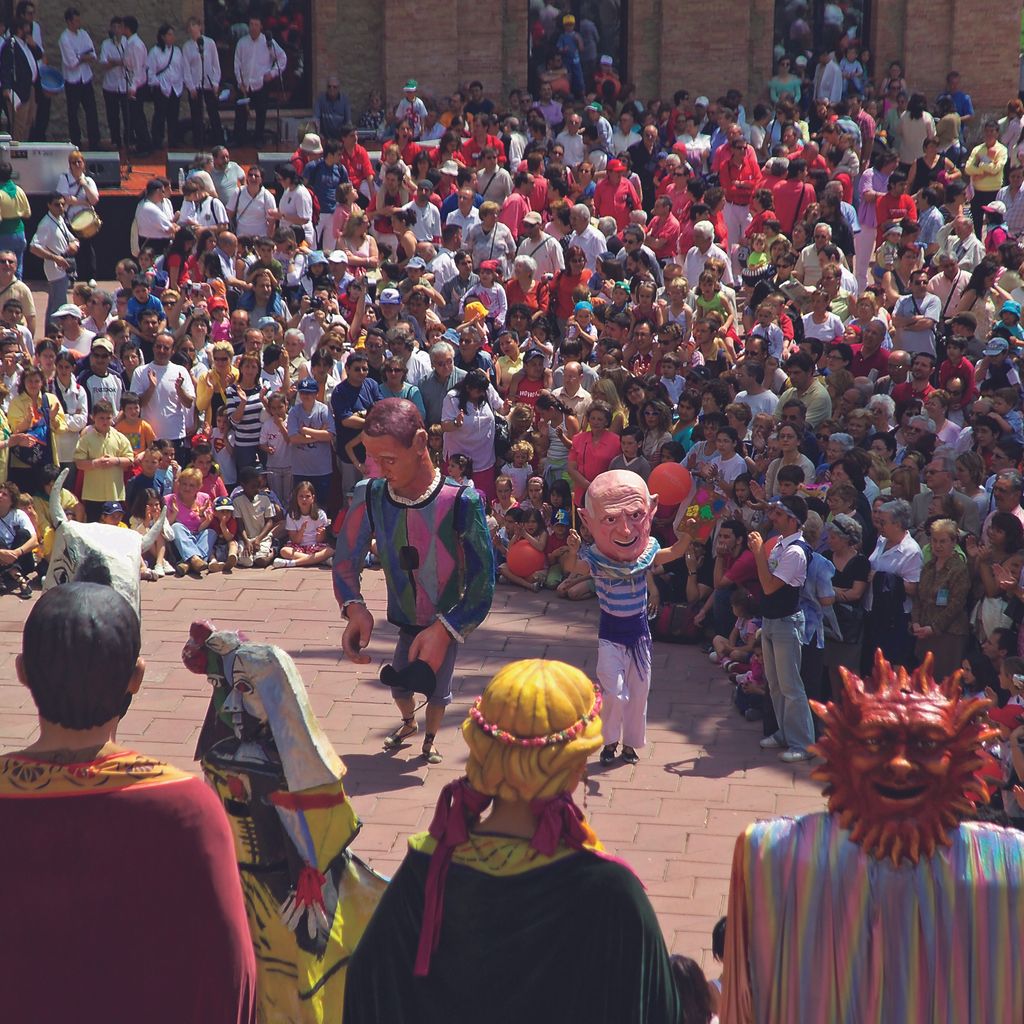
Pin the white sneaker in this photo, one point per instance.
(158, 571)
(281, 563)
(713, 657)
(793, 756)
(771, 743)
(166, 568)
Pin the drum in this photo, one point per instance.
(51, 80)
(86, 223)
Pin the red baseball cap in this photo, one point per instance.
(217, 302)
(490, 265)
(616, 165)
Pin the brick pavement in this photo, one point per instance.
(674, 816)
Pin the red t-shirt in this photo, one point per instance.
(862, 365)
(891, 207)
(592, 457)
(791, 199)
(906, 391)
(472, 150)
(742, 571)
(616, 200)
(357, 164)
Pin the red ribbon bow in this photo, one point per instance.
(558, 820)
(458, 806)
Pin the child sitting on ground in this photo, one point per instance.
(202, 459)
(751, 690)
(143, 513)
(738, 647)
(460, 468)
(306, 524)
(225, 526)
(557, 549)
(532, 530)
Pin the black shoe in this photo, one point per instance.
(608, 754)
(629, 755)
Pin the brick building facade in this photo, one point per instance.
(378, 44)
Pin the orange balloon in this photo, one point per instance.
(671, 482)
(524, 559)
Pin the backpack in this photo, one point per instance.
(674, 624)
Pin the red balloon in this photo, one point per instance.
(671, 482)
(524, 559)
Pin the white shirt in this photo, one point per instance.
(903, 560)
(466, 221)
(693, 264)
(298, 202)
(255, 58)
(428, 221)
(163, 410)
(76, 419)
(546, 252)
(165, 70)
(764, 402)
(54, 235)
(226, 182)
(496, 187)
(251, 212)
(787, 562)
(442, 266)
(153, 220)
(114, 79)
(592, 242)
(85, 189)
(829, 331)
(202, 67)
(135, 57)
(917, 341)
(73, 47)
(208, 213)
(572, 143)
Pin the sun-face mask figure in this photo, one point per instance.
(308, 898)
(875, 910)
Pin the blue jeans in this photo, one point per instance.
(782, 651)
(190, 544)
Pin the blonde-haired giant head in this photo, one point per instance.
(531, 732)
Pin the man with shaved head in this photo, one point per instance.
(618, 512)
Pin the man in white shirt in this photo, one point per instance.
(465, 215)
(916, 316)
(428, 218)
(828, 79)
(135, 57)
(56, 246)
(115, 80)
(19, 72)
(77, 56)
(703, 249)
(1012, 197)
(570, 138)
(540, 247)
(586, 236)
(253, 206)
(442, 264)
(155, 225)
(493, 182)
(202, 79)
(228, 177)
(259, 64)
(750, 377)
(166, 392)
(948, 284)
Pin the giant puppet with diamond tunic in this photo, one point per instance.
(889, 907)
(438, 561)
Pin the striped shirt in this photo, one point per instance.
(621, 586)
(247, 431)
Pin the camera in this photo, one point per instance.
(316, 302)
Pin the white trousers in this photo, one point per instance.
(736, 220)
(624, 675)
(864, 247)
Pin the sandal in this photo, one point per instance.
(430, 752)
(401, 734)
(22, 588)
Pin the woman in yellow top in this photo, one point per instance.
(521, 904)
(212, 385)
(35, 417)
(14, 209)
(985, 169)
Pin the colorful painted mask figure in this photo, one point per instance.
(871, 912)
(308, 898)
(96, 553)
